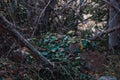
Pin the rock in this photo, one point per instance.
(107, 78)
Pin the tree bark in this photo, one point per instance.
(35, 53)
(114, 18)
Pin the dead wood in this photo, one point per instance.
(105, 32)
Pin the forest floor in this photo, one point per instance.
(76, 59)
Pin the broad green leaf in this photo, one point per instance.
(44, 53)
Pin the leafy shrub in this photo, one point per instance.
(65, 51)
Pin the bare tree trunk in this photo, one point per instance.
(114, 21)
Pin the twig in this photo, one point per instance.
(11, 48)
(39, 17)
(66, 72)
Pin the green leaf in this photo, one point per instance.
(44, 53)
(85, 43)
(54, 38)
(93, 44)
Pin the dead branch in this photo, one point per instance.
(105, 32)
(109, 30)
(8, 26)
(40, 16)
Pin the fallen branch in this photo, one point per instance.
(35, 53)
(105, 32)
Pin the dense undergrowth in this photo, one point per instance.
(68, 51)
(75, 59)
